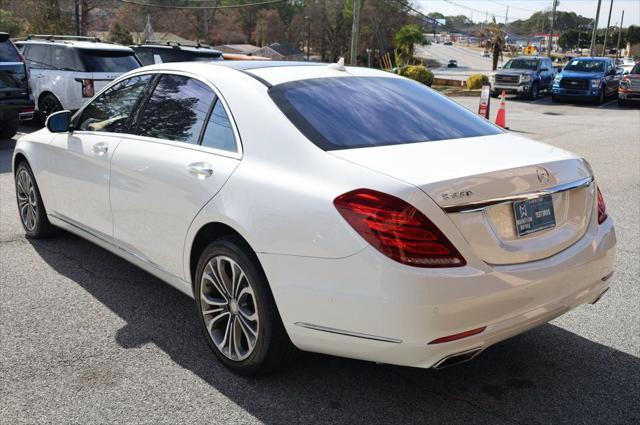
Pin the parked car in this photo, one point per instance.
(629, 87)
(67, 71)
(16, 103)
(589, 78)
(626, 64)
(452, 63)
(524, 76)
(485, 54)
(448, 43)
(155, 52)
(300, 208)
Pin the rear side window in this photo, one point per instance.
(355, 112)
(65, 59)
(8, 53)
(108, 60)
(219, 133)
(176, 110)
(111, 110)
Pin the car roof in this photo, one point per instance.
(271, 72)
(590, 58)
(79, 44)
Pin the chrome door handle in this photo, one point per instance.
(200, 169)
(100, 148)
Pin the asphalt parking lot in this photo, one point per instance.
(87, 338)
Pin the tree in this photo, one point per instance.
(573, 38)
(9, 23)
(495, 41)
(406, 38)
(269, 27)
(119, 34)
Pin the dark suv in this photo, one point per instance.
(155, 52)
(524, 75)
(15, 99)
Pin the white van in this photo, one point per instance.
(65, 71)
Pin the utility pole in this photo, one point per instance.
(306, 18)
(355, 30)
(553, 24)
(77, 16)
(595, 29)
(606, 31)
(506, 17)
(619, 34)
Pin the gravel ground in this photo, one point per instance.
(87, 338)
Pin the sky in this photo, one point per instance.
(522, 9)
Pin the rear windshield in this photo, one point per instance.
(185, 56)
(354, 112)
(585, 66)
(8, 53)
(108, 60)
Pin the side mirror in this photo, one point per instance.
(59, 122)
(499, 67)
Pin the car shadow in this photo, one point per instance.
(548, 375)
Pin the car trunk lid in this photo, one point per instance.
(477, 180)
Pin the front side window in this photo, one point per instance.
(38, 56)
(176, 110)
(95, 60)
(219, 133)
(353, 112)
(111, 110)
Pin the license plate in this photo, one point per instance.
(534, 215)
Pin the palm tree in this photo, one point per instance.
(406, 38)
(495, 41)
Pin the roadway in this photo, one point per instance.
(470, 61)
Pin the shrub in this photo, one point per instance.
(418, 73)
(476, 81)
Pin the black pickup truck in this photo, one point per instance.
(15, 99)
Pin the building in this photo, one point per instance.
(240, 49)
(281, 51)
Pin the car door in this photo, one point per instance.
(39, 62)
(80, 160)
(183, 151)
(611, 78)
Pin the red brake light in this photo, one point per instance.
(602, 208)
(87, 88)
(397, 229)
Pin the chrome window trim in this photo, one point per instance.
(347, 333)
(481, 205)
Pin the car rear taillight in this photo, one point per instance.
(602, 208)
(397, 229)
(87, 88)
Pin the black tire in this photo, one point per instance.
(556, 99)
(47, 105)
(8, 129)
(38, 225)
(599, 100)
(622, 102)
(534, 92)
(272, 348)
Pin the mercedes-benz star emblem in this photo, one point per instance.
(543, 176)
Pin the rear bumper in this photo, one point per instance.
(16, 109)
(368, 307)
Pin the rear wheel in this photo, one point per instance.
(30, 206)
(237, 310)
(8, 129)
(622, 102)
(599, 100)
(555, 99)
(47, 105)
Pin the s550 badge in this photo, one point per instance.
(457, 195)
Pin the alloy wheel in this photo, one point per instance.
(49, 106)
(229, 308)
(27, 203)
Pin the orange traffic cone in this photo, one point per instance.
(501, 118)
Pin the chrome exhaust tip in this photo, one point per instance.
(457, 358)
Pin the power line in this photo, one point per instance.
(229, 6)
(515, 7)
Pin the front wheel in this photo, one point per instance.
(535, 91)
(556, 99)
(237, 310)
(599, 100)
(30, 206)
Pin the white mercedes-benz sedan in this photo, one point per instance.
(345, 211)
